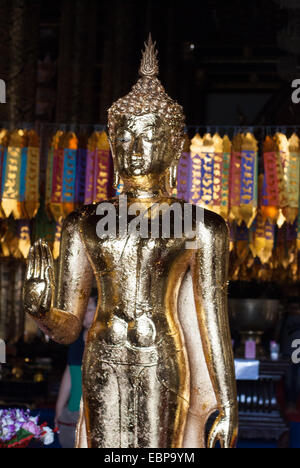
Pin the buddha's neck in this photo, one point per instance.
(145, 187)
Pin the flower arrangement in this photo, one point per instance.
(18, 429)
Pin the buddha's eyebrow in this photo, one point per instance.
(145, 128)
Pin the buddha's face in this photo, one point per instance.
(142, 145)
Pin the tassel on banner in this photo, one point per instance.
(263, 234)
(24, 240)
(241, 250)
(57, 238)
(10, 242)
(249, 174)
(44, 227)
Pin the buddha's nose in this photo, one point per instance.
(137, 147)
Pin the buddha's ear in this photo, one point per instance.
(112, 147)
(173, 175)
(178, 143)
(181, 146)
(117, 179)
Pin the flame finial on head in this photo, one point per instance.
(149, 63)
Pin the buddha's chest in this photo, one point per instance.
(135, 254)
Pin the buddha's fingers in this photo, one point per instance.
(44, 261)
(224, 440)
(48, 255)
(212, 438)
(37, 260)
(49, 270)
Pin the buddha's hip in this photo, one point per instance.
(163, 364)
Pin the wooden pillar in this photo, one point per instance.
(23, 55)
(4, 52)
(77, 59)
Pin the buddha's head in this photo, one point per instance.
(146, 126)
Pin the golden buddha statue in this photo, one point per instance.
(158, 359)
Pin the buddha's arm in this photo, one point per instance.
(59, 307)
(209, 271)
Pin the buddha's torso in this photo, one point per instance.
(139, 280)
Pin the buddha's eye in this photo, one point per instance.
(123, 139)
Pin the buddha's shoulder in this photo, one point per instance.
(88, 211)
(207, 218)
(192, 214)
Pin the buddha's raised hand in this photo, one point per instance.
(39, 283)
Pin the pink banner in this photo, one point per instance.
(235, 179)
(270, 163)
(57, 175)
(101, 176)
(89, 177)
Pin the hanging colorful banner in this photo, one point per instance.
(282, 151)
(224, 211)
(102, 171)
(4, 137)
(207, 172)
(217, 173)
(32, 176)
(81, 170)
(70, 144)
(249, 174)
(11, 175)
(235, 179)
(98, 177)
(271, 194)
(207, 169)
(196, 148)
(55, 166)
(292, 179)
(263, 233)
(184, 171)
(90, 169)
